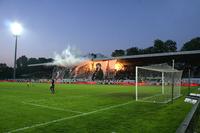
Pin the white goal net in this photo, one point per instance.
(157, 83)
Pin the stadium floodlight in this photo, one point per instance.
(16, 30)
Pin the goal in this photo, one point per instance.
(158, 83)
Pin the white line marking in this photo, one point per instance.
(39, 100)
(53, 108)
(70, 117)
(151, 102)
(151, 96)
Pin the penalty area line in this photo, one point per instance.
(70, 117)
(53, 108)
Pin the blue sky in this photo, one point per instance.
(98, 26)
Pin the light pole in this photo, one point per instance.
(16, 29)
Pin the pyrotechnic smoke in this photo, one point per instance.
(69, 57)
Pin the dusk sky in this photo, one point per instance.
(98, 26)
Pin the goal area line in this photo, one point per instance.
(70, 117)
(154, 101)
(52, 108)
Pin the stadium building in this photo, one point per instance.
(123, 67)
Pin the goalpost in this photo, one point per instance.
(159, 83)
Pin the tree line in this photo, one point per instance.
(24, 71)
(159, 46)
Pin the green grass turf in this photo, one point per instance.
(18, 110)
(154, 93)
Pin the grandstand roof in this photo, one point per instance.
(149, 58)
(152, 55)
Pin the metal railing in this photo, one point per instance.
(190, 122)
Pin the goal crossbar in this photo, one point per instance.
(159, 70)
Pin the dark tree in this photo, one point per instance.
(5, 71)
(44, 60)
(32, 61)
(159, 46)
(148, 50)
(119, 52)
(193, 44)
(22, 61)
(132, 51)
(171, 46)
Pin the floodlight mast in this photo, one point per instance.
(14, 73)
(173, 80)
(16, 30)
(136, 83)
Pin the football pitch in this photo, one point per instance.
(85, 108)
